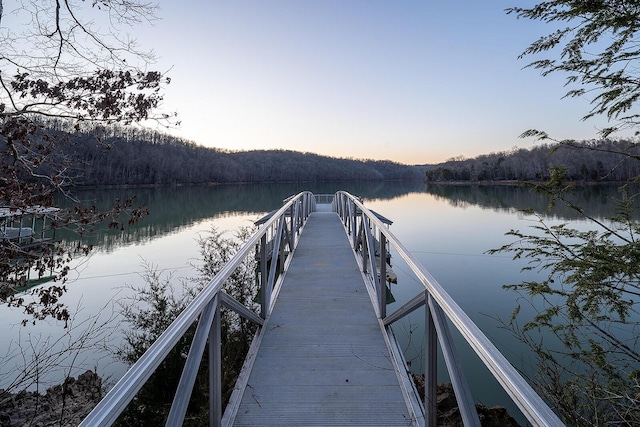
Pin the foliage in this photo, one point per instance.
(149, 312)
(37, 361)
(133, 156)
(585, 161)
(151, 309)
(588, 300)
(65, 60)
(596, 46)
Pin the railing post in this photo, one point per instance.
(295, 220)
(264, 295)
(283, 238)
(346, 215)
(382, 288)
(292, 219)
(368, 253)
(192, 364)
(215, 371)
(364, 248)
(275, 256)
(312, 206)
(454, 366)
(430, 367)
(354, 226)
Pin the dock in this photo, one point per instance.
(324, 353)
(323, 359)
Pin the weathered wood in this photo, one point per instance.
(323, 359)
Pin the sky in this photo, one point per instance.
(414, 82)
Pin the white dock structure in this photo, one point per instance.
(323, 359)
(324, 353)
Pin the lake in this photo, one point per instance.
(448, 228)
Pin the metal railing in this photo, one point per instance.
(280, 232)
(276, 241)
(27, 226)
(325, 199)
(370, 238)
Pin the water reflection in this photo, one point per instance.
(595, 199)
(172, 209)
(448, 228)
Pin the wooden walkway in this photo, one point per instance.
(323, 359)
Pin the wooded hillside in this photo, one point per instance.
(595, 161)
(135, 156)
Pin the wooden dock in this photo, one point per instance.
(323, 359)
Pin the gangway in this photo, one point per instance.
(324, 353)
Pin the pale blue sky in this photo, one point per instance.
(410, 81)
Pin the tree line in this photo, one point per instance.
(117, 155)
(586, 161)
(133, 156)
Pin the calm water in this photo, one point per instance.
(449, 229)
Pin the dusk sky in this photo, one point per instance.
(410, 81)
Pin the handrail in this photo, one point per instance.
(280, 232)
(439, 302)
(323, 198)
(205, 306)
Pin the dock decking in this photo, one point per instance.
(323, 359)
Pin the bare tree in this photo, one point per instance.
(48, 362)
(69, 60)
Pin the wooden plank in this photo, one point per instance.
(323, 359)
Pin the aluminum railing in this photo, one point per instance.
(368, 234)
(325, 199)
(276, 240)
(282, 229)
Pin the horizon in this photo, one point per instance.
(413, 83)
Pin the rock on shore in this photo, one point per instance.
(67, 404)
(449, 414)
(62, 405)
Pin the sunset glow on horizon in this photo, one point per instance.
(412, 82)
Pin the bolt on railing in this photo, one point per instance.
(365, 229)
(205, 309)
